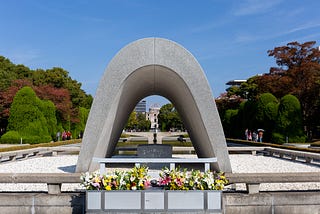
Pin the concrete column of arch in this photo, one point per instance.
(153, 66)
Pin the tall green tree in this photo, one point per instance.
(59, 78)
(143, 123)
(7, 73)
(132, 121)
(169, 118)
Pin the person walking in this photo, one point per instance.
(249, 136)
(246, 134)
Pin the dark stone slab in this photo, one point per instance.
(155, 151)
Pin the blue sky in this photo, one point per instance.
(230, 39)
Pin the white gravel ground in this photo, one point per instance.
(263, 164)
(239, 163)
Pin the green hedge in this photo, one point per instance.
(10, 137)
(178, 143)
(13, 137)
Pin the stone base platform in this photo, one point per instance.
(293, 202)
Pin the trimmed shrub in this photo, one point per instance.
(289, 122)
(26, 116)
(49, 112)
(266, 116)
(35, 139)
(10, 137)
(263, 101)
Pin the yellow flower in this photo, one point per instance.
(128, 186)
(108, 187)
(97, 179)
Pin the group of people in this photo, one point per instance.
(66, 135)
(255, 136)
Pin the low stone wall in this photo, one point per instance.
(233, 203)
(272, 202)
(44, 203)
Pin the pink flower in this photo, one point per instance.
(97, 185)
(179, 182)
(165, 181)
(147, 184)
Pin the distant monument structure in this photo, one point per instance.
(153, 66)
(152, 116)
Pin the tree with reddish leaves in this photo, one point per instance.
(6, 98)
(278, 85)
(295, 55)
(227, 101)
(59, 96)
(298, 73)
(52, 84)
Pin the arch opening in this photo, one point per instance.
(174, 89)
(147, 67)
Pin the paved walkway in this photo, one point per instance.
(11, 145)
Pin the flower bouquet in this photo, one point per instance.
(135, 179)
(177, 179)
(194, 187)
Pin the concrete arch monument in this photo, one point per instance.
(153, 66)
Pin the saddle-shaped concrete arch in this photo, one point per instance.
(153, 66)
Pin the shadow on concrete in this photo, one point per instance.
(71, 168)
(78, 203)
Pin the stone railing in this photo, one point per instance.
(190, 150)
(39, 151)
(137, 161)
(246, 150)
(252, 180)
(293, 155)
(53, 180)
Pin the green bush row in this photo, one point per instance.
(36, 121)
(13, 137)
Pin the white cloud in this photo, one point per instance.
(309, 37)
(250, 7)
(247, 37)
(20, 56)
(305, 26)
